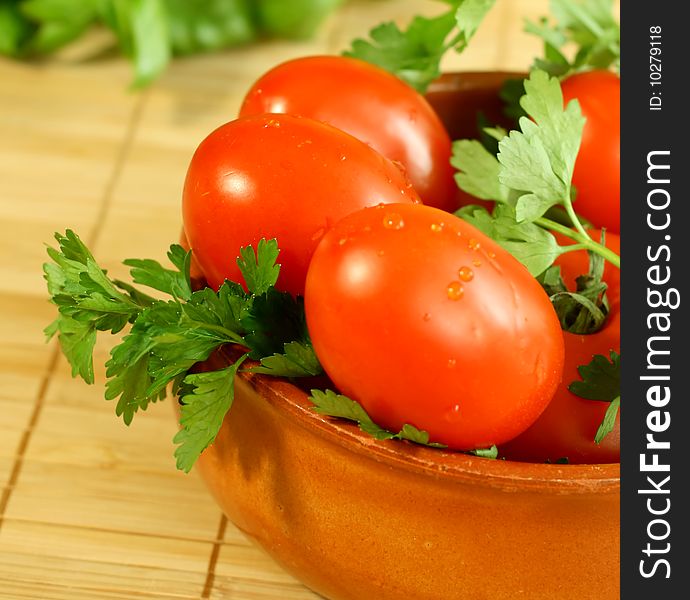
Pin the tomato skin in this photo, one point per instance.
(284, 177)
(567, 427)
(597, 168)
(393, 331)
(371, 104)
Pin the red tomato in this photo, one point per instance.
(424, 320)
(597, 169)
(284, 177)
(371, 104)
(567, 427)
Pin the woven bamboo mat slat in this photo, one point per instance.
(88, 509)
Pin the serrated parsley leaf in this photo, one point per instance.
(168, 337)
(414, 55)
(205, 399)
(587, 26)
(152, 274)
(297, 360)
(539, 160)
(272, 320)
(259, 270)
(601, 380)
(478, 171)
(328, 403)
(533, 246)
(166, 340)
(87, 300)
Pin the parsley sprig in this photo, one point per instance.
(415, 54)
(601, 380)
(332, 404)
(588, 26)
(167, 337)
(530, 175)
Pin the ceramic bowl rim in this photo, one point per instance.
(434, 463)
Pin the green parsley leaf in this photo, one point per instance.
(539, 160)
(206, 398)
(533, 246)
(478, 171)
(87, 302)
(586, 29)
(601, 380)
(259, 269)
(272, 320)
(414, 55)
(168, 337)
(205, 25)
(583, 311)
(297, 19)
(15, 29)
(142, 33)
(150, 273)
(491, 452)
(327, 402)
(57, 22)
(609, 420)
(297, 360)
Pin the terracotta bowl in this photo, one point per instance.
(359, 519)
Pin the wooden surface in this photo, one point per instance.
(89, 508)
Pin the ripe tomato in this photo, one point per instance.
(597, 169)
(284, 177)
(371, 104)
(567, 427)
(424, 320)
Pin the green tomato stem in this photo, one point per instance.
(584, 241)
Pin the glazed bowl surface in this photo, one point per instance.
(354, 518)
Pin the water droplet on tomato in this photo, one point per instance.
(342, 241)
(477, 263)
(343, 157)
(473, 244)
(454, 291)
(437, 227)
(465, 274)
(272, 123)
(380, 252)
(393, 221)
(491, 255)
(318, 234)
(452, 415)
(451, 363)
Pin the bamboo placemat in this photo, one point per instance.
(87, 508)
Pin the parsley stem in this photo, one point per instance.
(584, 241)
(225, 332)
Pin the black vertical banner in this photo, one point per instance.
(655, 419)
